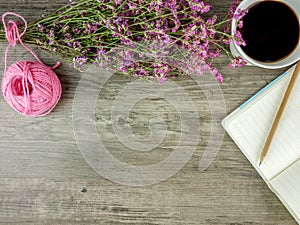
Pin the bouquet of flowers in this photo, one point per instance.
(141, 38)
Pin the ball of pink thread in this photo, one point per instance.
(31, 88)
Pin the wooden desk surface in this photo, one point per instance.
(44, 178)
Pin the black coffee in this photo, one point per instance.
(271, 31)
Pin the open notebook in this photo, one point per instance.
(248, 126)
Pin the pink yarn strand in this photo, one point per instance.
(13, 35)
(31, 88)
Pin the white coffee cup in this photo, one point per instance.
(286, 61)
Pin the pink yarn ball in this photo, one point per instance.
(31, 88)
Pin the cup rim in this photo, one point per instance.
(286, 61)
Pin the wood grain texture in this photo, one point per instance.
(44, 179)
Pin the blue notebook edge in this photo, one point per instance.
(255, 96)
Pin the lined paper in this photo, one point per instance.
(249, 126)
(286, 186)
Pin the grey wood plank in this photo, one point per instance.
(44, 179)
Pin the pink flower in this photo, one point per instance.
(239, 14)
(233, 7)
(240, 24)
(219, 77)
(237, 62)
(118, 2)
(90, 37)
(199, 6)
(238, 39)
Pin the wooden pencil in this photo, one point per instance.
(279, 113)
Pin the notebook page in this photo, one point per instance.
(286, 186)
(250, 126)
(285, 145)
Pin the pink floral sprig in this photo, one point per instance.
(154, 39)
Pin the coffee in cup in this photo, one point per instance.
(271, 31)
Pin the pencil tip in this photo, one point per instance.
(259, 163)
